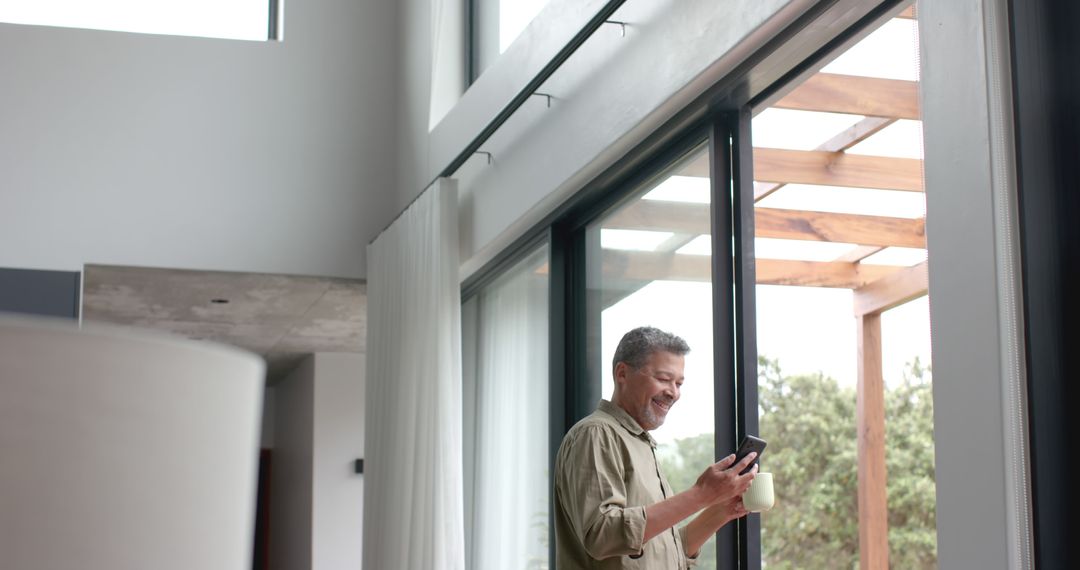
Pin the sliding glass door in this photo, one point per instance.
(649, 262)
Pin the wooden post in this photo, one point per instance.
(870, 418)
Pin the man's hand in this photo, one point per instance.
(710, 520)
(722, 487)
(730, 510)
(718, 484)
(722, 480)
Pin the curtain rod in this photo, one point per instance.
(546, 72)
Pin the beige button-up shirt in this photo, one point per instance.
(606, 473)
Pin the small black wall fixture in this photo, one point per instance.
(358, 466)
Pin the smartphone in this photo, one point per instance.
(750, 443)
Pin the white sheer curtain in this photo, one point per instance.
(509, 491)
(413, 516)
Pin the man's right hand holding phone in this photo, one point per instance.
(725, 479)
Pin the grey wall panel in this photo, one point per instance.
(36, 292)
(978, 422)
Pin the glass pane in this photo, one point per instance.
(846, 310)
(495, 25)
(650, 264)
(229, 19)
(505, 404)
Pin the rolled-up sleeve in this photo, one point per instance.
(595, 496)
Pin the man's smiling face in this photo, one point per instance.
(649, 392)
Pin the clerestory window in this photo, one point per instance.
(256, 20)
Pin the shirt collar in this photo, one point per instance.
(625, 420)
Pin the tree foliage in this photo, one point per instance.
(909, 462)
(809, 422)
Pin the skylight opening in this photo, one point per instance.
(689, 189)
(897, 256)
(902, 139)
(799, 250)
(701, 245)
(798, 130)
(887, 53)
(632, 240)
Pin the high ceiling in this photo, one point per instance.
(838, 203)
(283, 318)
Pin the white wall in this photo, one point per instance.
(414, 85)
(291, 473)
(316, 502)
(338, 502)
(200, 153)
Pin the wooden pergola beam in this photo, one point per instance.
(653, 266)
(892, 290)
(687, 218)
(846, 139)
(841, 228)
(837, 169)
(855, 134)
(836, 274)
(855, 95)
(870, 301)
(870, 425)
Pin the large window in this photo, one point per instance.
(229, 19)
(843, 322)
(494, 25)
(784, 238)
(505, 381)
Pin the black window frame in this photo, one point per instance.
(1044, 48)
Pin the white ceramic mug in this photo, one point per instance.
(759, 497)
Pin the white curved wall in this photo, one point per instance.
(123, 449)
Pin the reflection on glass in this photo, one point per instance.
(505, 405)
(652, 261)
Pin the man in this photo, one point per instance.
(613, 507)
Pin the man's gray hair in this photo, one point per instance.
(636, 346)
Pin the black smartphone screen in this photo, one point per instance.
(750, 443)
